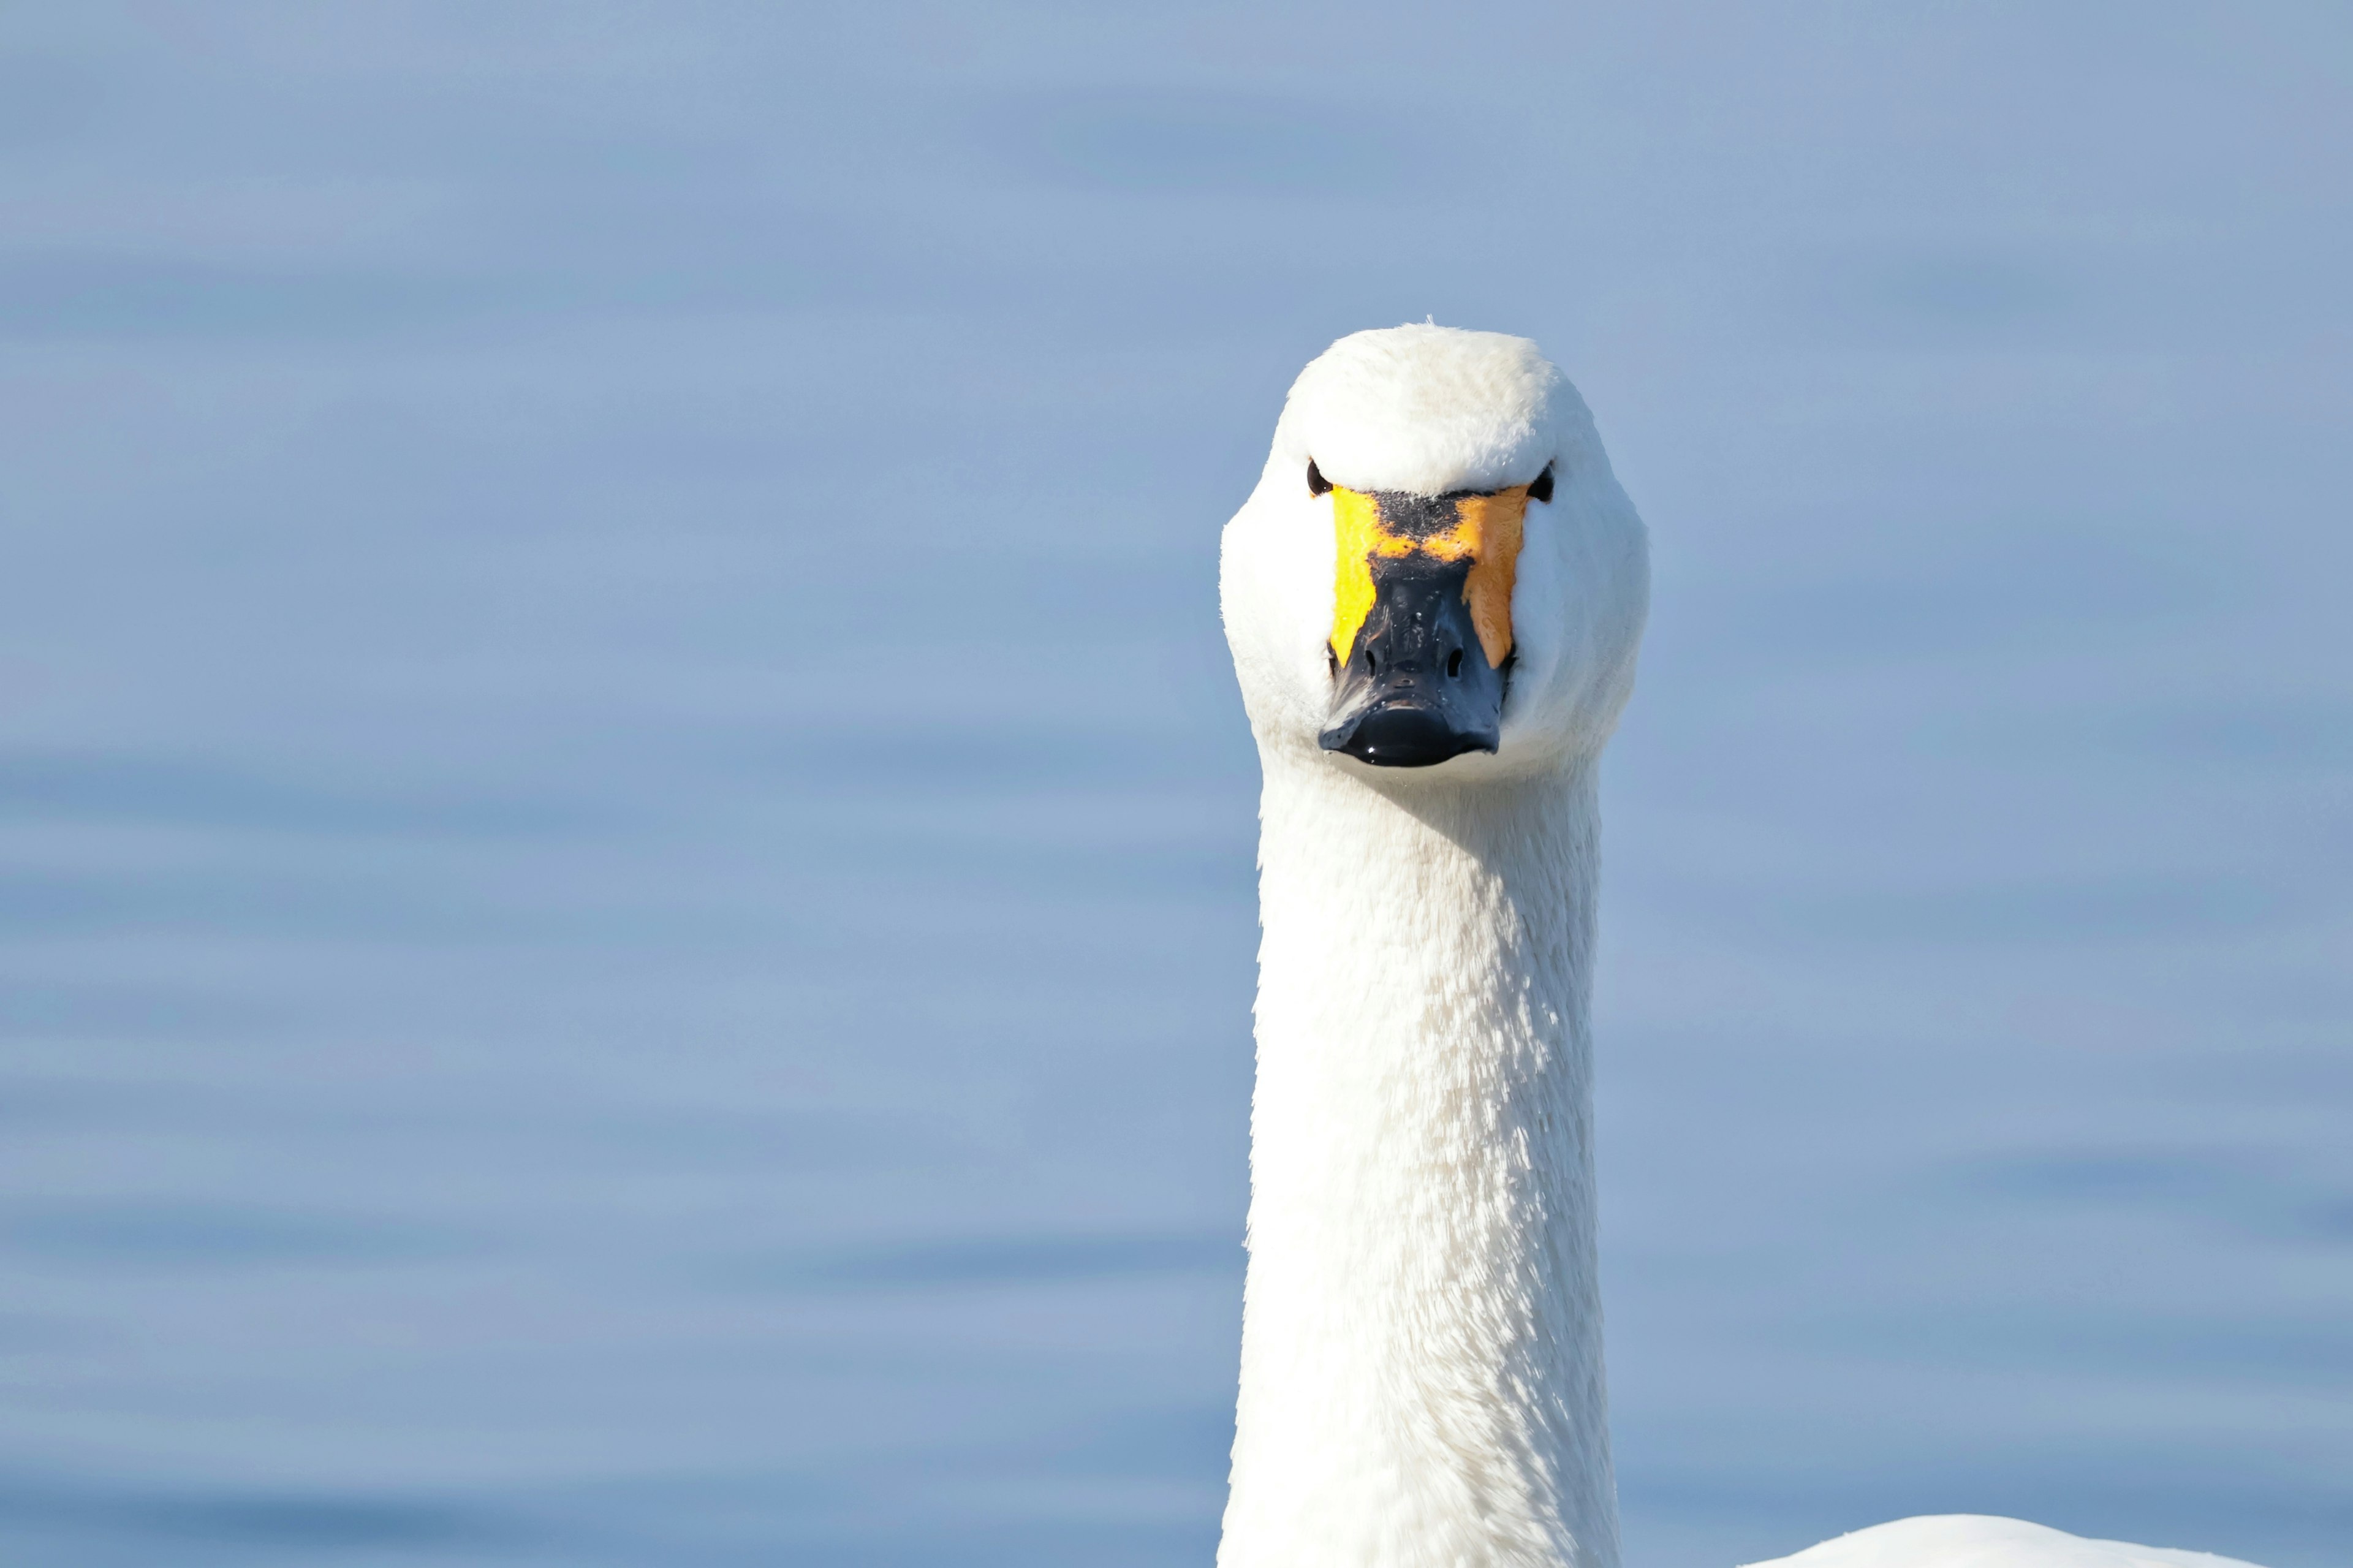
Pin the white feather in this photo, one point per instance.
(1421, 1371)
(1981, 1541)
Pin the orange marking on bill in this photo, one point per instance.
(1487, 531)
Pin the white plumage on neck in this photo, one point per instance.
(1421, 1343)
(1421, 1333)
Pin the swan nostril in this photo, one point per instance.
(1372, 664)
(1454, 664)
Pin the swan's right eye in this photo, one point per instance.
(1317, 485)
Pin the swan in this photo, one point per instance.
(1433, 598)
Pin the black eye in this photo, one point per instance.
(1540, 490)
(1318, 485)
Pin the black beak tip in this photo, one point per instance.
(1403, 735)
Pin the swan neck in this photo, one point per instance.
(1422, 1350)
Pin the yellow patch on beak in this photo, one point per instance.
(1485, 530)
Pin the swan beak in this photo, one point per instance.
(1421, 631)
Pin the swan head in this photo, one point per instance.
(1438, 576)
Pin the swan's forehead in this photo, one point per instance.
(1424, 410)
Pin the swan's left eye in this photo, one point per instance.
(1542, 489)
(1317, 485)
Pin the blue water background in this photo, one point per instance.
(626, 912)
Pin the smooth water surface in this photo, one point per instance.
(626, 908)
